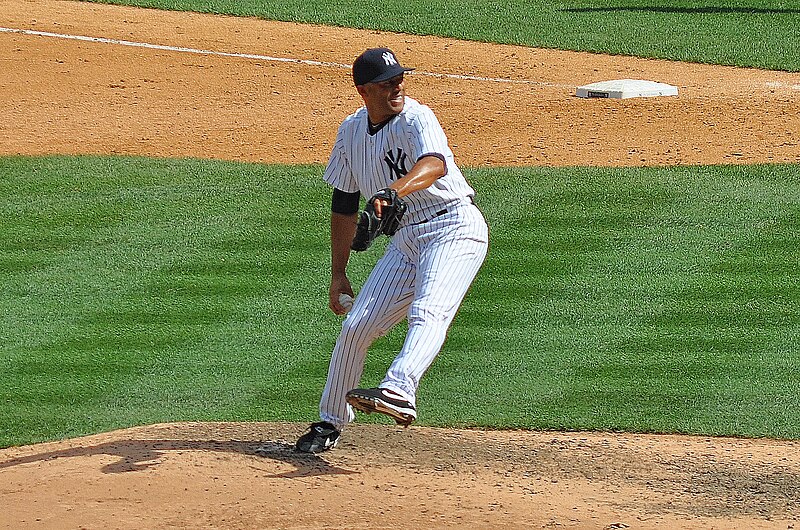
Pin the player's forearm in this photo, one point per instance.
(425, 172)
(343, 228)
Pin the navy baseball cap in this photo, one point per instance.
(376, 65)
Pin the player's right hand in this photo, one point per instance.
(339, 285)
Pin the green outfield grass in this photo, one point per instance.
(654, 300)
(754, 33)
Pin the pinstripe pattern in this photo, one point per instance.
(449, 254)
(427, 268)
(357, 161)
(424, 276)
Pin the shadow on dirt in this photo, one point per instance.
(138, 455)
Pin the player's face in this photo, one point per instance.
(384, 99)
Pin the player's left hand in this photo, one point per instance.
(382, 215)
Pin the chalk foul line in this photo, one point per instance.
(266, 58)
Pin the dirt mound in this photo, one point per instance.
(197, 475)
(279, 101)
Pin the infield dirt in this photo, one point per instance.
(67, 96)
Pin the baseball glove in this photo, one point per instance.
(370, 226)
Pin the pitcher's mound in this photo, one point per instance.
(247, 475)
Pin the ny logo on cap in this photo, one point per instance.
(388, 58)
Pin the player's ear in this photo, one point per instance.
(362, 90)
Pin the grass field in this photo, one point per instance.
(656, 300)
(754, 33)
(137, 291)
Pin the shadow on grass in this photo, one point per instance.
(138, 455)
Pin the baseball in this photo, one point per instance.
(346, 300)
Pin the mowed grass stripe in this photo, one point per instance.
(654, 300)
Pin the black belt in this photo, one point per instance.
(434, 216)
(444, 211)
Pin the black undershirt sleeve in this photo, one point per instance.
(344, 202)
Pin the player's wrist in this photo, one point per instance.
(337, 276)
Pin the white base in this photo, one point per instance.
(626, 88)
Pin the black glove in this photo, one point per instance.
(370, 226)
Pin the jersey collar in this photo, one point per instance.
(373, 129)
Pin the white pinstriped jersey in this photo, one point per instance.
(428, 266)
(366, 162)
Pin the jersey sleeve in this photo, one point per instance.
(338, 173)
(430, 138)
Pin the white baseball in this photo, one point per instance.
(346, 300)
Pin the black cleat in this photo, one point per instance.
(321, 436)
(384, 401)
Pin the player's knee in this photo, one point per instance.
(356, 328)
(429, 316)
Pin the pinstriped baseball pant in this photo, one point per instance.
(423, 277)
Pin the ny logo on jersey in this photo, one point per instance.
(389, 59)
(396, 162)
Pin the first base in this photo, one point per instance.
(626, 88)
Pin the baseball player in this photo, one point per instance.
(394, 152)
